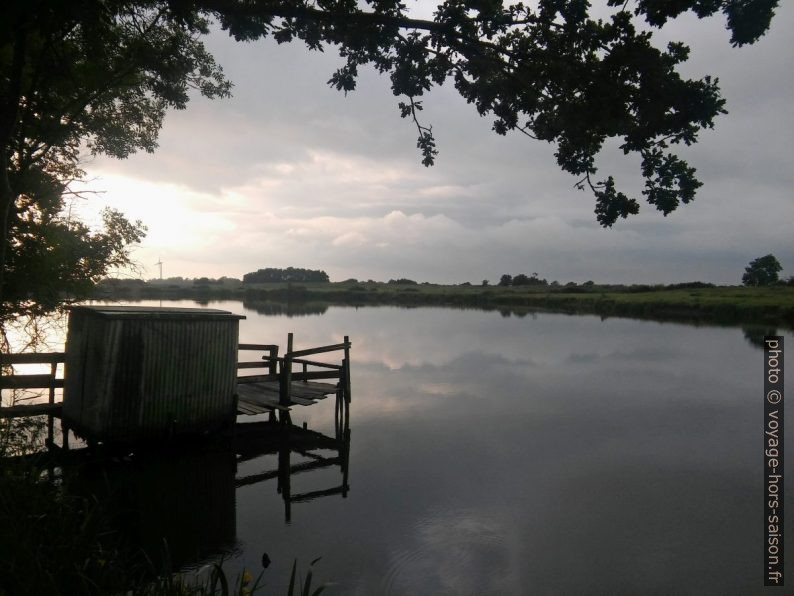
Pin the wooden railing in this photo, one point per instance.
(270, 362)
(280, 368)
(331, 371)
(32, 381)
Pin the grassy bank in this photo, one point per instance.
(769, 305)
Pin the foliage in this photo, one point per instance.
(522, 280)
(305, 588)
(82, 76)
(762, 271)
(52, 257)
(689, 285)
(533, 280)
(290, 274)
(552, 72)
(402, 281)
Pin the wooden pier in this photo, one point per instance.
(291, 379)
(285, 385)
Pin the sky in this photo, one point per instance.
(289, 172)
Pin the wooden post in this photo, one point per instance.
(346, 370)
(284, 473)
(273, 368)
(338, 414)
(305, 380)
(345, 453)
(50, 419)
(286, 374)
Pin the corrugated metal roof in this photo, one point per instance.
(156, 312)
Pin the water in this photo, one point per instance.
(544, 454)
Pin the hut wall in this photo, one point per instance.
(148, 375)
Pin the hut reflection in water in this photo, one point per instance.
(174, 505)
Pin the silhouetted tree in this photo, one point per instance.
(762, 271)
(524, 280)
(290, 274)
(403, 281)
(506, 280)
(83, 76)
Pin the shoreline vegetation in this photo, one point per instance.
(686, 302)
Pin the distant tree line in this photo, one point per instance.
(402, 281)
(522, 280)
(290, 274)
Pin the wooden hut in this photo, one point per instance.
(136, 373)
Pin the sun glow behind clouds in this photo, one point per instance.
(180, 221)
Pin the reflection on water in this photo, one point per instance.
(177, 506)
(547, 454)
(174, 506)
(299, 451)
(755, 334)
(289, 309)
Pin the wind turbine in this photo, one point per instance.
(159, 263)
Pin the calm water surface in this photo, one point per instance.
(545, 454)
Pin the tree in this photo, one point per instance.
(54, 257)
(505, 280)
(82, 76)
(523, 280)
(99, 75)
(762, 271)
(290, 274)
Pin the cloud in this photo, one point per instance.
(290, 172)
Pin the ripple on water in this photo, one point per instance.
(451, 552)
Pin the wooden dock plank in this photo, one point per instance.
(253, 364)
(29, 382)
(258, 347)
(259, 398)
(31, 410)
(29, 358)
(258, 378)
(250, 393)
(244, 407)
(301, 401)
(309, 395)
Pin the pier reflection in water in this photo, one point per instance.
(174, 506)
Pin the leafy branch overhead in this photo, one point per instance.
(550, 71)
(99, 75)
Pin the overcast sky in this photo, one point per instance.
(289, 172)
